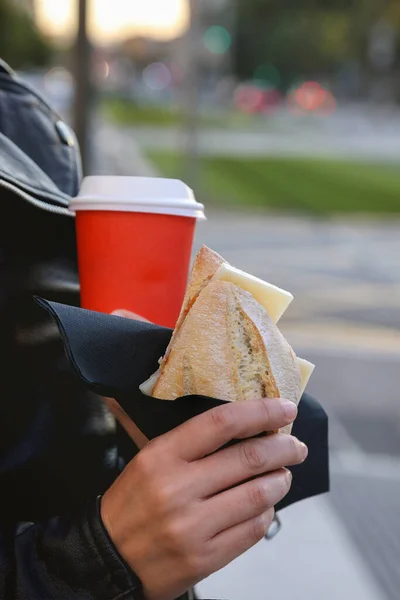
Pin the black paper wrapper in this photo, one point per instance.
(113, 356)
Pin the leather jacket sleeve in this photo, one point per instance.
(63, 558)
(59, 446)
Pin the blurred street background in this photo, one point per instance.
(284, 116)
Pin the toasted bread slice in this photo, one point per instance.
(206, 264)
(227, 347)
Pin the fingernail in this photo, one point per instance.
(267, 518)
(305, 450)
(290, 409)
(118, 313)
(288, 475)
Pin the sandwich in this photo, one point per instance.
(226, 343)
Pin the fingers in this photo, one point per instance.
(127, 314)
(233, 542)
(204, 434)
(247, 460)
(245, 502)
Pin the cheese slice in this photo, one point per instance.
(148, 386)
(306, 370)
(273, 299)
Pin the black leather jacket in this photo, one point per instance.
(59, 447)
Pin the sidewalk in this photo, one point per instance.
(312, 558)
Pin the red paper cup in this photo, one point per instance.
(135, 237)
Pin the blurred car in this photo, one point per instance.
(252, 98)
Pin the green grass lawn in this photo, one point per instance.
(128, 113)
(317, 186)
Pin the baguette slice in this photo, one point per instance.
(206, 264)
(227, 347)
(205, 268)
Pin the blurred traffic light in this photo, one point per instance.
(217, 39)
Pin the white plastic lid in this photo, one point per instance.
(138, 194)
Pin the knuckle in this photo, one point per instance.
(147, 460)
(282, 486)
(144, 463)
(174, 535)
(258, 496)
(195, 566)
(252, 456)
(259, 528)
(266, 408)
(262, 524)
(285, 483)
(295, 449)
(165, 497)
(156, 446)
(178, 541)
(223, 418)
(269, 517)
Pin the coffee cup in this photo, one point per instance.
(134, 240)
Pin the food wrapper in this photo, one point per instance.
(113, 356)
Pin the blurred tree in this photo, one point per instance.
(308, 38)
(21, 44)
(298, 40)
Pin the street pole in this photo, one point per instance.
(82, 100)
(190, 95)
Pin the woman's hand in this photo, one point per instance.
(183, 509)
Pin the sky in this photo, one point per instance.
(111, 20)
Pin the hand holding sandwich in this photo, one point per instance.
(184, 508)
(187, 505)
